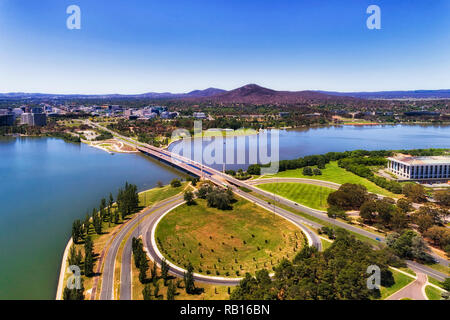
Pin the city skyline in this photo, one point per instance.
(136, 47)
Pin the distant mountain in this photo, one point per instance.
(254, 94)
(148, 95)
(205, 93)
(250, 94)
(413, 94)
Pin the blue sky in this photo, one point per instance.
(137, 46)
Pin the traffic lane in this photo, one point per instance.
(107, 289)
(427, 270)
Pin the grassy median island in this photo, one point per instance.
(433, 293)
(227, 243)
(306, 194)
(334, 173)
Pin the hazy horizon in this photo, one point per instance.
(136, 46)
(173, 92)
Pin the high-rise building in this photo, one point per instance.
(6, 119)
(34, 119)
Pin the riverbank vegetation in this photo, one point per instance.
(91, 235)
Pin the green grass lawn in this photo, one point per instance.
(149, 197)
(306, 194)
(312, 218)
(440, 267)
(227, 242)
(435, 282)
(334, 173)
(325, 244)
(401, 280)
(433, 293)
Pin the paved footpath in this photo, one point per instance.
(415, 290)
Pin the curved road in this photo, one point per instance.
(153, 252)
(219, 178)
(323, 216)
(107, 289)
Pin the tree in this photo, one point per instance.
(156, 290)
(307, 171)
(405, 205)
(426, 217)
(77, 231)
(164, 271)
(97, 222)
(74, 294)
(86, 223)
(110, 205)
(75, 257)
(368, 211)
(415, 192)
(408, 245)
(189, 197)
(175, 183)
(154, 274)
(147, 292)
(254, 169)
(88, 256)
(399, 220)
(171, 291)
(189, 279)
(317, 172)
(127, 200)
(160, 184)
(336, 212)
(348, 196)
(143, 268)
(219, 199)
(334, 274)
(442, 197)
(102, 204)
(439, 235)
(385, 210)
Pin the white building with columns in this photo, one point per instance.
(434, 168)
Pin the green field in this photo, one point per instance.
(306, 194)
(433, 293)
(154, 195)
(334, 173)
(315, 219)
(401, 280)
(227, 243)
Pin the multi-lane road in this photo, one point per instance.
(223, 179)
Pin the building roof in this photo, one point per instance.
(411, 160)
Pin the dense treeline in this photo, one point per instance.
(126, 204)
(359, 157)
(104, 135)
(338, 273)
(359, 166)
(67, 137)
(400, 217)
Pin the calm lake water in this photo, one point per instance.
(46, 183)
(301, 142)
